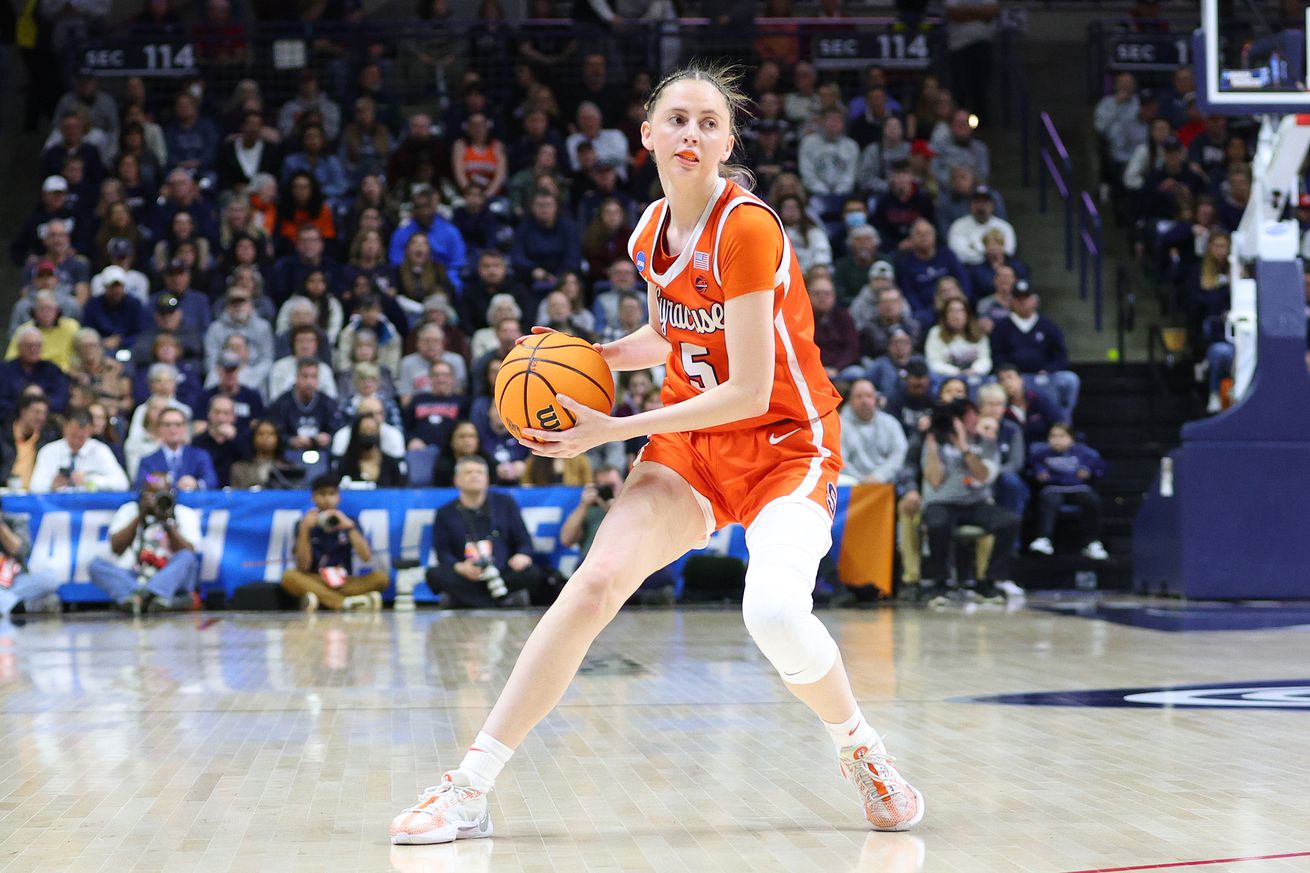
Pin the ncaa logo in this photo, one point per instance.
(832, 499)
(641, 262)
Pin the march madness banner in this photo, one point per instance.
(249, 536)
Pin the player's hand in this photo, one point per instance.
(592, 429)
(539, 329)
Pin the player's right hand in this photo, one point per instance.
(538, 329)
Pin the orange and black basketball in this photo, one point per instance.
(542, 366)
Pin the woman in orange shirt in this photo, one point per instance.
(303, 203)
(747, 432)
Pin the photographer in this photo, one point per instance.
(579, 529)
(153, 564)
(957, 475)
(327, 544)
(17, 585)
(482, 545)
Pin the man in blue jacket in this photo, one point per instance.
(1035, 345)
(1064, 470)
(920, 265)
(484, 552)
(448, 247)
(187, 467)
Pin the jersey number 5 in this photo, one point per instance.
(699, 371)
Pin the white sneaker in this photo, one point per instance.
(453, 810)
(309, 601)
(1013, 593)
(1215, 404)
(357, 602)
(374, 600)
(1042, 546)
(1096, 551)
(890, 803)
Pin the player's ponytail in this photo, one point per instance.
(726, 78)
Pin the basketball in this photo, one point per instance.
(542, 366)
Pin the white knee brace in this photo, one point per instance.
(786, 542)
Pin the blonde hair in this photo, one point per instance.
(726, 78)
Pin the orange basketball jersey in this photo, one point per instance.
(738, 247)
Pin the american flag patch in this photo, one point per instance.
(701, 260)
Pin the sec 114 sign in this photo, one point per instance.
(139, 59)
(857, 50)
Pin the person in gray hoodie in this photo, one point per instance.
(872, 442)
(239, 318)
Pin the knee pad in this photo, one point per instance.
(786, 542)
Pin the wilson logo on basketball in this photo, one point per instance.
(680, 315)
(548, 418)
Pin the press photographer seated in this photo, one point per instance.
(152, 563)
(328, 543)
(482, 545)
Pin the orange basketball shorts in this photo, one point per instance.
(735, 474)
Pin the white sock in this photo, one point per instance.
(484, 760)
(855, 731)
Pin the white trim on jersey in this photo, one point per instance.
(676, 268)
(816, 423)
(781, 276)
(641, 225)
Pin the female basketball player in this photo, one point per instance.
(748, 434)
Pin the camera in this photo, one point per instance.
(161, 506)
(330, 521)
(605, 492)
(944, 417)
(491, 577)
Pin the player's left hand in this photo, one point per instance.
(592, 429)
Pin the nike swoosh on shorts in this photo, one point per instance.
(774, 439)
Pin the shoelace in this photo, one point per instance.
(459, 794)
(878, 762)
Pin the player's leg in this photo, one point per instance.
(655, 519)
(786, 542)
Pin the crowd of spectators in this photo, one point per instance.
(235, 291)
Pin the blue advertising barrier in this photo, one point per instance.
(249, 536)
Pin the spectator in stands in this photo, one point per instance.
(996, 306)
(609, 144)
(623, 279)
(28, 243)
(920, 266)
(966, 233)
(186, 467)
(464, 441)
(56, 331)
(117, 316)
(71, 141)
(808, 240)
(482, 223)
(152, 563)
(22, 437)
(326, 168)
(1117, 108)
(872, 442)
(1035, 346)
(367, 384)
(957, 346)
(546, 245)
(850, 273)
(447, 245)
(483, 549)
(226, 381)
(305, 416)
(73, 269)
(1233, 202)
(364, 464)
(99, 373)
(304, 344)
(303, 204)
(100, 107)
(958, 145)
(834, 331)
(368, 318)
(605, 239)
(180, 294)
(182, 194)
(22, 585)
(1032, 411)
(1206, 300)
(828, 159)
(192, 139)
(313, 292)
(901, 207)
(1208, 152)
(246, 155)
(802, 103)
(632, 315)
(1009, 490)
(77, 462)
(267, 466)
(220, 439)
(433, 410)
(119, 252)
(309, 99)
(366, 142)
(539, 470)
(165, 348)
(1125, 134)
(44, 279)
(1148, 156)
(169, 318)
(909, 396)
(328, 545)
(1170, 184)
(239, 319)
(478, 158)
(1064, 471)
(28, 368)
(957, 475)
(770, 153)
(984, 275)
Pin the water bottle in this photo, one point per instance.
(1166, 477)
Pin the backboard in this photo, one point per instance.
(1251, 59)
